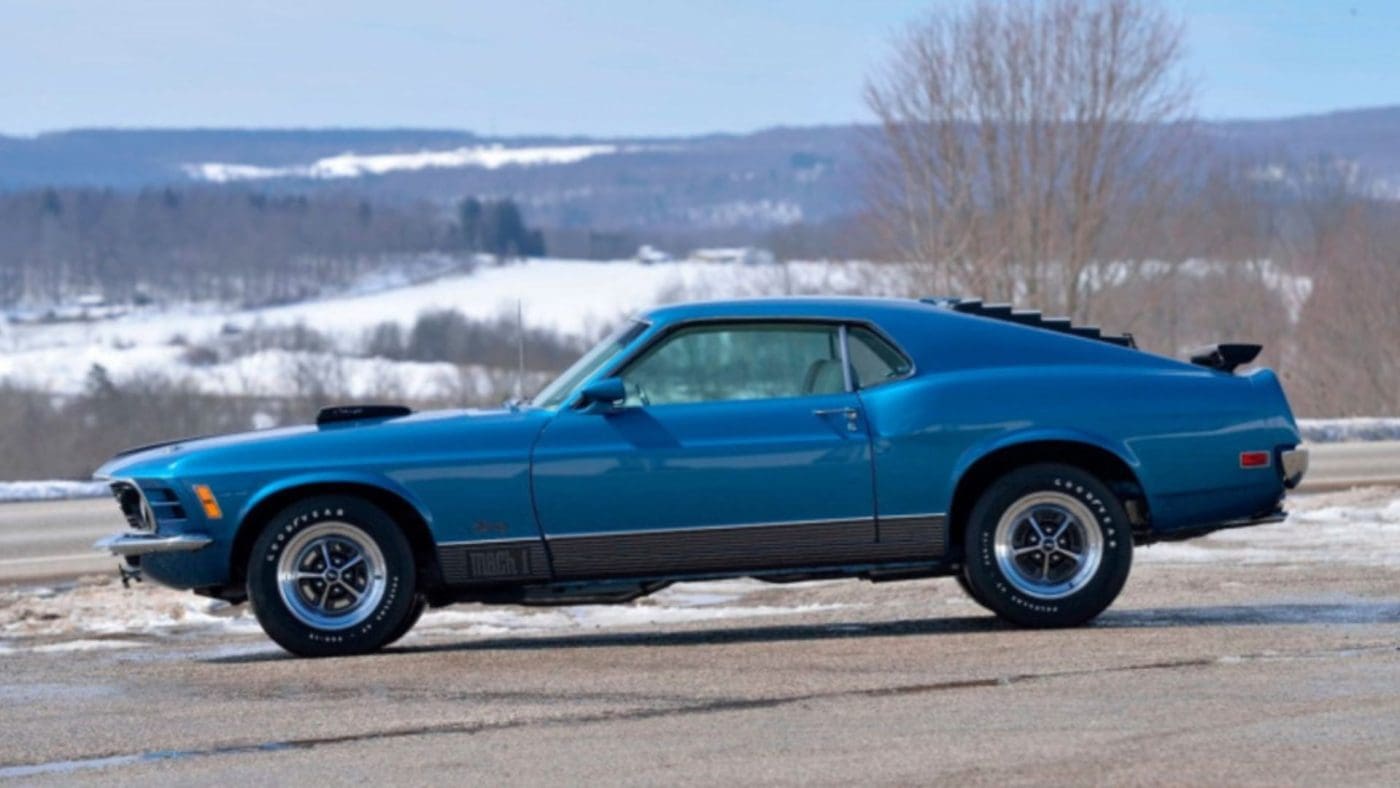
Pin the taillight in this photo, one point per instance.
(1254, 459)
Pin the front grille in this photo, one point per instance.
(164, 504)
(143, 510)
(133, 507)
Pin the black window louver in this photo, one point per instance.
(1027, 317)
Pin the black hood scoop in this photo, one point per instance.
(343, 413)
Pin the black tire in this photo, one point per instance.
(1035, 570)
(961, 577)
(420, 604)
(301, 616)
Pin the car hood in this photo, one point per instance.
(310, 443)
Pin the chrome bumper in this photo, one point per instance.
(1294, 463)
(141, 544)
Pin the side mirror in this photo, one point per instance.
(602, 395)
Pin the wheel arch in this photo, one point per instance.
(398, 504)
(1116, 468)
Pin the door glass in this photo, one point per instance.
(738, 362)
(873, 360)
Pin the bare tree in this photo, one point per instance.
(1346, 364)
(1021, 144)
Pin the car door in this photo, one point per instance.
(740, 445)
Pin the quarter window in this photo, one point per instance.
(714, 363)
(873, 360)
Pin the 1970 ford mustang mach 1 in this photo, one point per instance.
(783, 439)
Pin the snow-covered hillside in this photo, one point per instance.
(353, 165)
(568, 297)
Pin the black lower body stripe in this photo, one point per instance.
(749, 548)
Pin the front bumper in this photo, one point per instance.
(128, 545)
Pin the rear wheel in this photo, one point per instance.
(961, 577)
(331, 576)
(1048, 546)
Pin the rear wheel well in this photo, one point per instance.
(402, 512)
(1105, 465)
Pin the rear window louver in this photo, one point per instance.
(1026, 317)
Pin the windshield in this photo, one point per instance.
(555, 393)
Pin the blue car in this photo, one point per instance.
(782, 439)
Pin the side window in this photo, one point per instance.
(738, 361)
(873, 360)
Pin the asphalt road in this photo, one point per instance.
(53, 539)
(1201, 674)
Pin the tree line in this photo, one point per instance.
(231, 245)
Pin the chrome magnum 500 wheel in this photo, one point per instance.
(332, 575)
(1048, 545)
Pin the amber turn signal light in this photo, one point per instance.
(208, 501)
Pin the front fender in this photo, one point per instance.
(352, 478)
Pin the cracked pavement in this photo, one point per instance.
(1214, 673)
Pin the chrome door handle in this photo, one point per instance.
(852, 415)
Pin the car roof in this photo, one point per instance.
(839, 307)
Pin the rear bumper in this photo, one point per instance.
(1293, 464)
(143, 544)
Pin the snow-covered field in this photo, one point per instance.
(354, 165)
(1359, 529)
(572, 298)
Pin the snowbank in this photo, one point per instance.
(50, 490)
(103, 615)
(1359, 527)
(1337, 430)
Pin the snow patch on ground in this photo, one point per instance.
(102, 611)
(68, 646)
(102, 615)
(50, 490)
(1359, 527)
(1355, 429)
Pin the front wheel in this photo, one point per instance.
(1048, 546)
(332, 576)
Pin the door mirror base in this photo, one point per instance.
(602, 396)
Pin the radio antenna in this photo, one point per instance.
(520, 350)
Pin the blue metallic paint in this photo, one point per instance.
(978, 386)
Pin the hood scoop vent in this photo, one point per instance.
(343, 413)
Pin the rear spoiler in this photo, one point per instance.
(1225, 356)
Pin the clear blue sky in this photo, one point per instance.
(626, 67)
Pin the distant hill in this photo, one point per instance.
(1369, 137)
(764, 179)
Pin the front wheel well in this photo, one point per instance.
(420, 539)
(1105, 465)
